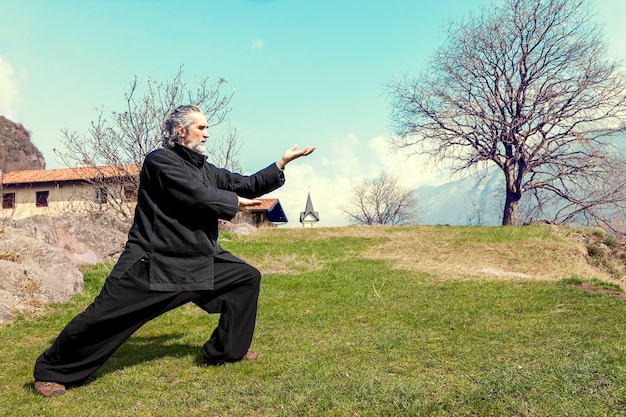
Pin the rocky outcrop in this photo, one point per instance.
(84, 239)
(33, 273)
(17, 152)
(39, 257)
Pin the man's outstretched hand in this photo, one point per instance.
(292, 154)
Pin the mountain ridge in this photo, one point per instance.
(17, 152)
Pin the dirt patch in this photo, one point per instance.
(621, 295)
(452, 253)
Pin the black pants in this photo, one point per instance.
(125, 304)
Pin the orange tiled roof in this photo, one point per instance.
(68, 174)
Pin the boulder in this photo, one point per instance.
(85, 239)
(240, 228)
(33, 272)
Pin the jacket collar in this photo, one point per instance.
(188, 154)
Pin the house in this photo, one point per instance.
(268, 214)
(309, 216)
(56, 191)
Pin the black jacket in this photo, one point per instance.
(181, 197)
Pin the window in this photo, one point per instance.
(41, 199)
(8, 200)
(101, 195)
(130, 195)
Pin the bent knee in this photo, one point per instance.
(254, 275)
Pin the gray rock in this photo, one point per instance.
(39, 257)
(84, 239)
(241, 228)
(33, 272)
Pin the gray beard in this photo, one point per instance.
(199, 147)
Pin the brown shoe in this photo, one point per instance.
(49, 389)
(249, 356)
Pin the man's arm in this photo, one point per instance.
(171, 184)
(262, 182)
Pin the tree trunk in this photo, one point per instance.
(513, 195)
(510, 208)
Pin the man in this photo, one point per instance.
(171, 258)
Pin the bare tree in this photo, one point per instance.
(124, 139)
(527, 86)
(381, 201)
(225, 152)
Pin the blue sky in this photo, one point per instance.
(307, 73)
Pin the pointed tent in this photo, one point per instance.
(309, 215)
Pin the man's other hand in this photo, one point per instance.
(245, 203)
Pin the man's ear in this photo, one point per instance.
(180, 130)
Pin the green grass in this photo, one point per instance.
(348, 335)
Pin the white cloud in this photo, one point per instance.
(411, 170)
(342, 157)
(9, 89)
(258, 44)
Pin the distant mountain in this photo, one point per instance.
(17, 152)
(462, 202)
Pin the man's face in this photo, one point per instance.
(196, 135)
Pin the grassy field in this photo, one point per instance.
(368, 321)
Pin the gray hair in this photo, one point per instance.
(175, 117)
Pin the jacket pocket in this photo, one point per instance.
(180, 272)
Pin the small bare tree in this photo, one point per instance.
(225, 152)
(381, 201)
(526, 86)
(124, 139)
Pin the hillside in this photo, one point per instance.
(17, 152)
(538, 252)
